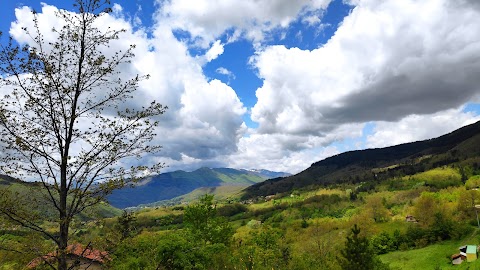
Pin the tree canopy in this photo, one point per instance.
(64, 120)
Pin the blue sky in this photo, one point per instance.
(281, 84)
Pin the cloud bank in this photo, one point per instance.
(389, 61)
(405, 67)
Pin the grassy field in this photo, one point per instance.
(435, 256)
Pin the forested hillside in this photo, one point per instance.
(390, 218)
(461, 147)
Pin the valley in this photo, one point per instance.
(413, 203)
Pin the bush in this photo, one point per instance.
(473, 182)
(382, 243)
(173, 250)
(441, 178)
(229, 210)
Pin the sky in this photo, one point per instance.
(281, 84)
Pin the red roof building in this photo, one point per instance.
(84, 257)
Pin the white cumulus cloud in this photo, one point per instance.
(208, 19)
(204, 119)
(214, 51)
(388, 61)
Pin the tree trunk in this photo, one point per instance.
(63, 243)
(64, 219)
(62, 246)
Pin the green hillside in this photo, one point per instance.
(459, 147)
(32, 196)
(223, 193)
(306, 228)
(412, 213)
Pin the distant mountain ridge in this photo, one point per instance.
(169, 185)
(461, 145)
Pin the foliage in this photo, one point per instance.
(126, 225)
(383, 243)
(440, 177)
(358, 253)
(426, 207)
(376, 207)
(203, 245)
(174, 250)
(52, 86)
(466, 203)
(264, 249)
(15, 253)
(203, 223)
(473, 182)
(232, 209)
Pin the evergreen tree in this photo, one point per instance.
(358, 253)
(126, 224)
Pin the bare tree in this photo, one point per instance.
(63, 120)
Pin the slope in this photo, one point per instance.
(462, 145)
(33, 197)
(174, 184)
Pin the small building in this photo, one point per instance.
(457, 258)
(471, 253)
(269, 198)
(410, 218)
(467, 252)
(84, 257)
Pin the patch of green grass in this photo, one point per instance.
(235, 178)
(9, 266)
(220, 193)
(435, 256)
(440, 177)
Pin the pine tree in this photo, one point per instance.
(358, 253)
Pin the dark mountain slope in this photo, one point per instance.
(364, 165)
(7, 180)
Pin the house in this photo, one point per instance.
(467, 252)
(471, 253)
(458, 258)
(269, 198)
(410, 218)
(85, 257)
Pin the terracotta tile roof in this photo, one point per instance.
(76, 250)
(91, 254)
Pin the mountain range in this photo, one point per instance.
(458, 148)
(170, 185)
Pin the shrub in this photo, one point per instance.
(229, 210)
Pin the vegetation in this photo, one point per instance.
(308, 228)
(460, 147)
(299, 230)
(358, 253)
(405, 207)
(340, 225)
